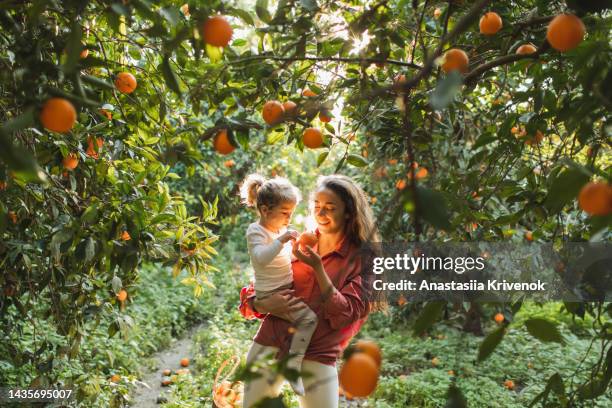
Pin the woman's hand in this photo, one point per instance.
(281, 304)
(309, 257)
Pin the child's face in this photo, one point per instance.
(277, 217)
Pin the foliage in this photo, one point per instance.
(436, 153)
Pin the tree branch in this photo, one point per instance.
(325, 59)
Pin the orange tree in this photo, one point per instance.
(461, 127)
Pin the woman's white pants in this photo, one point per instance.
(321, 387)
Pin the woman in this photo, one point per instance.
(332, 281)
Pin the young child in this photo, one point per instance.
(275, 200)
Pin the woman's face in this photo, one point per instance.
(329, 211)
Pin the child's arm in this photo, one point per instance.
(261, 252)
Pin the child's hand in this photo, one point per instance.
(290, 235)
(307, 255)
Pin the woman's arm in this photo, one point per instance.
(280, 304)
(344, 305)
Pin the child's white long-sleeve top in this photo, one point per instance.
(270, 258)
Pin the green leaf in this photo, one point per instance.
(356, 160)
(543, 330)
(310, 5)
(432, 207)
(261, 9)
(445, 91)
(430, 313)
(90, 249)
(242, 14)
(322, 158)
(117, 284)
(73, 47)
(490, 342)
(455, 398)
(565, 188)
(170, 76)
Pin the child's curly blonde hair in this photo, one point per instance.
(257, 191)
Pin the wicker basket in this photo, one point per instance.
(227, 394)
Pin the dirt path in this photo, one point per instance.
(145, 396)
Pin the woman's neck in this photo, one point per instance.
(329, 241)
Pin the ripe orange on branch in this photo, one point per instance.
(217, 31)
(71, 161)
(526, 49)
(122, 295)
(125, 82)
(499, 318)
(290, 108)
(58, 115)
(455, 60)
(308, 93)
(184, 362)
(490, 23)
(359, 375)
(222, 144)
(324, 118)
(595, 198)
(312, 138)
(565, 32)
(273, 112)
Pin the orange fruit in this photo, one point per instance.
(58, 115)
(437, 13)
(565, 32)
(535, 140)
(71, 161)
(290, 108)
(528, 236)
(167, 372)
(595, 198)
(400, 184)
(125, 236)
(217, 31)
(514, 130)
(122, 295)
(307, 239)
(420, 174)
(371, 349)
(402, 300)
(359, 375)
(125, 82)
(166, 382)
(312, 138)
(106, 114)
(13, 216)
(308, 93)
(3, 185)
(91, 150)
(324, 118)
(526, 49)
(499, 318)
(229, 163)
(392, 162)
(509, 384)
(222, 144)
(184, 362)
(273, 112)
(455, 60)
(84, 53)
(399, 80)
(435, 361)
(490, 23)
(115, 378)
(451, 372)
(182, 371)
